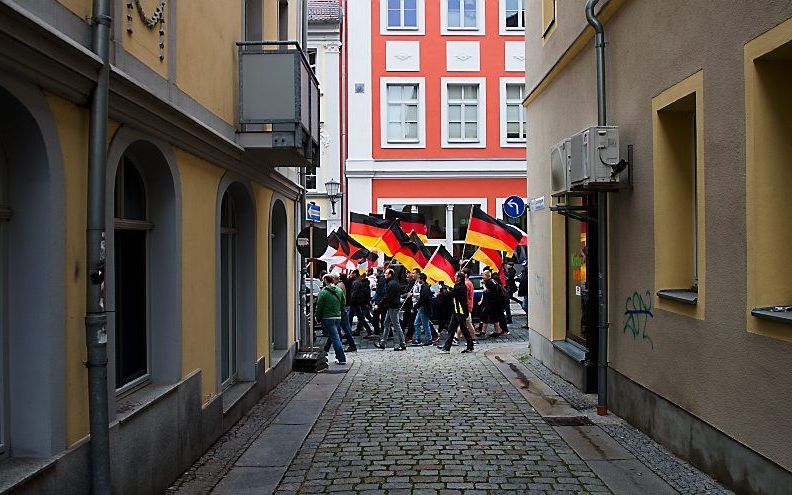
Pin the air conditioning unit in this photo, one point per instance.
(593, 154)
(559, 168)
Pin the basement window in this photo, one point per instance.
(768, 126)
(679, 196)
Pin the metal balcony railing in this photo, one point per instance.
(278, 102)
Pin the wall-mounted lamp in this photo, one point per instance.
(331, 187)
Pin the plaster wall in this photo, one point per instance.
(199, 183)
(263, 198)
(81, 8)
(713, 368)
(143, 42)
(206, 54)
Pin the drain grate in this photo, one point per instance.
(568, 421)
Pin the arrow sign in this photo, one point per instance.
(514, 206)
(312, 212)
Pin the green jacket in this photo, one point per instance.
(330, 304)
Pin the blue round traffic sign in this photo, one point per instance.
(514, 206)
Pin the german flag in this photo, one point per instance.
(425, 254)
(489, 232)
(412, 256)
(368, 230)
(340, 247)
(441, 267)
(393, 239)
(409, 222)
(489, 257)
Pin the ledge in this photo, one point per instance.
(683, 296)
(234, 393)
(782, 314)
(574, 351)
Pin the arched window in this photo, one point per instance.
(132, 350)
(229, 260)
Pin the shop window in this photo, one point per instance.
(131, 277)
(768, 120)
(679, 197)
(580, 328)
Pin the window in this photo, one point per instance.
(131, 277)
(581, 317)
(310, 177)
(402, 14)
(463, 112)
(462, 14)
(254, 17)
(678, 197)
(548, 16)
(283, 20)
(402, 113)
(229, 232)
(515, 14)
(312, 59)
(768, 176)
(515, 113)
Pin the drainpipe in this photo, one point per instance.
(95, 316)
(602, 222)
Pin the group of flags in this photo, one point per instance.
(402, 235)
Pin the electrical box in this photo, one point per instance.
(592, 155)
(559, 168)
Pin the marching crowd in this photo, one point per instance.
(382, 304)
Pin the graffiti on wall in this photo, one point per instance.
(539, 287)
(637, 311)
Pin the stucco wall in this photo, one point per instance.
(734, 380)
(143, 42)
(263, 206)
(199, 182)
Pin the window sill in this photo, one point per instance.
(233, 393)
(400, 28)
(16, 471)
(781, 314)
(683, 296)
(140, 400)
(571, 349)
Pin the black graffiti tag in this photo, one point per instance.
(637, 312)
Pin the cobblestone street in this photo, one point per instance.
(421, 422)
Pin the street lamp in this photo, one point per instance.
(331, 187)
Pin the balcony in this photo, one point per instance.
(278, 103)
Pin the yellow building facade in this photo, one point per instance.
(201, 274)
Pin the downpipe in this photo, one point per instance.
(96, 317)
(602, 222)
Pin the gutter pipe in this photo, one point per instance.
(602, 222)
(96, 317)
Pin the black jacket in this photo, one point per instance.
(460, 299)
(360, 294)
(391, 299)
(523, 290)
(424, 299)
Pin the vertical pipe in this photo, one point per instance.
(602, 222)
(95, 317)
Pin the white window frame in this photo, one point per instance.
(403, 31)
(421, 82)
(480, 28)
(481, 142)
(510, 31)
(505, 142)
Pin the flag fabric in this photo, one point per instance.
(441, 267)
(393, 239)
(489, 257)
(368, 230)
(411, 256)
(425, 253)
(341, 247)
(409, 222)
(489, 232)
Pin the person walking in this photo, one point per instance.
(490, 305)
(329, 311)
(408, 312)
(459, 317)
(422, 304)
(471, 291)
(360, 295)
(379, 314)
(504, 313)
(346, 327)
(391, 302)
(522, 291)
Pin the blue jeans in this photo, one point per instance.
(331, 326)
(422, 322)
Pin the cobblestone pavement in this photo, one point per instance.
(422, 422)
